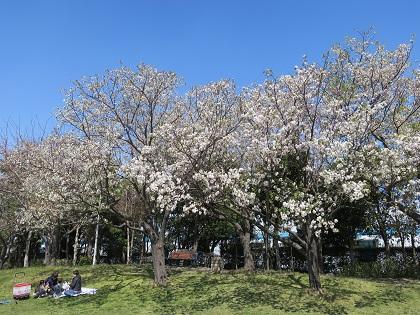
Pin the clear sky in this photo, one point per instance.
(44, 45)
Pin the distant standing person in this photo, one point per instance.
(216, 251)
(75, 285)
(216, 260)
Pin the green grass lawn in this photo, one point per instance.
(124, 290)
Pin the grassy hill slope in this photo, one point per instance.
(124, 290)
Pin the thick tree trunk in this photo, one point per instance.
(52, 240)
(27, 250)
(276, 246)
(312, 259)
(76, 246)
(95, 247)
(320, 257)
(158, 256)
(386, 243)
(244, 232)
(313, 266)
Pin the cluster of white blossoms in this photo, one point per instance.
(355, 190)
(162, 187)
(296, 211)
(217, 186)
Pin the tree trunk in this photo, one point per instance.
(292, 260)
(196, 235)
(131, 245)
(267, 253)
(27, 250)
(195, 245)
(143, 248)
(4, 249)
(387, 249)
(245, 237)
(352, 252)
(5, 252)
(88, 248)
(95, 247)
(402, 238)
(276, 240)
(76, 246)
(67, 246)
(320, 257)
(386, 244)
(277, 253)
(128, 245)
(385, 238)
(47, 256)
(413, 248)
(236, 254)
(57, 254)
(158, 256)
(312, 258)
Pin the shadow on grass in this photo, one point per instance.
(194, 291)
(388, 291)
(383, 297)
(238, 292)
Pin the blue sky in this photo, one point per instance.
(44, 45)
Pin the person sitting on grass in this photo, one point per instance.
(75, 285)
(41, 289)
(53, 285)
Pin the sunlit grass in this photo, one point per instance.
(130, 290)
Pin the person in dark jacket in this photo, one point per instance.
(75, 285)
(52, 283)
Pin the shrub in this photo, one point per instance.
(85, 260)
(392, 267)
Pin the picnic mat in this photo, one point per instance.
(83, 292)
